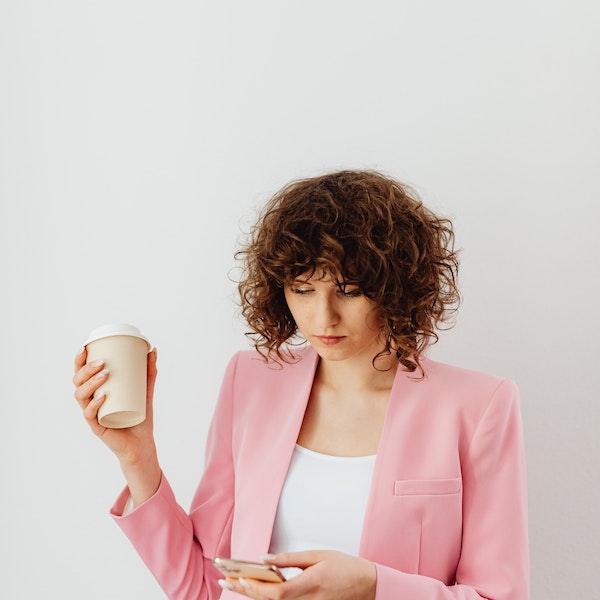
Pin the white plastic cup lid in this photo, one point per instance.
(115, 329)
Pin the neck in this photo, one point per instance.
(358, 375)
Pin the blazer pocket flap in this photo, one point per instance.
(427, 487)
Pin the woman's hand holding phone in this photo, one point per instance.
(326, 574)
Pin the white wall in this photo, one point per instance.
(137, 137)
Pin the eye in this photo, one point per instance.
(355, 293)
(300, 291)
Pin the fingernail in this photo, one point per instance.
(226, 585)
(268, 556)
(97, 363)
(243, 582)
(101, 374)
(99, 398)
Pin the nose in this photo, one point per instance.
(326, 314)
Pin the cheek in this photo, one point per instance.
(375, 320)
(296, 311)
(289, 300)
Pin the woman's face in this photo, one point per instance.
(340, 323)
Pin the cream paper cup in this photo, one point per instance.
(124, 351)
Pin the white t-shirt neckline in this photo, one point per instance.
(322, 503)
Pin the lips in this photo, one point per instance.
(330, 340)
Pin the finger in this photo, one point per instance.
(151, 380)
(152, 370)
(84, 392)
(90, 412)
(86, 371)
(80, 359)
(258, 590)
(232, 584)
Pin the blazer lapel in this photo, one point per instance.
(272, 424)
(393, 455)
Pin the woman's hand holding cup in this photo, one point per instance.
(134, 446)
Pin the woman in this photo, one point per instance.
(339, 448)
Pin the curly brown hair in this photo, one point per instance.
(371, 231)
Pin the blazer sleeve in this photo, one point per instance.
(178, 548)
(494, 560)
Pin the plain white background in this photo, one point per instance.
(137, 139)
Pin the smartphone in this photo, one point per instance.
(241, 568)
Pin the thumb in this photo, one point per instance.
(150, 381)
(296, 559)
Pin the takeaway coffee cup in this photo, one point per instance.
(124, 351)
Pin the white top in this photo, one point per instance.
(322, 503)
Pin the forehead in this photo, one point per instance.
(321, 276)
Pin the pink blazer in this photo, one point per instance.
(446, 517)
